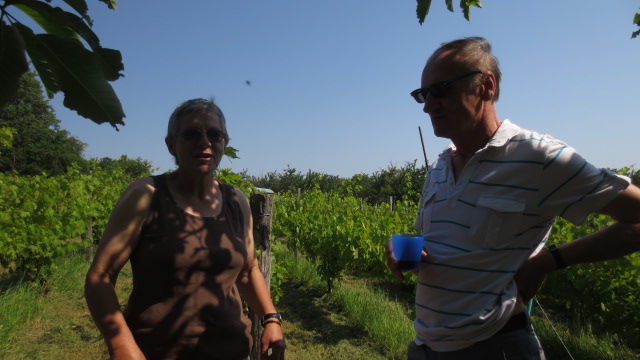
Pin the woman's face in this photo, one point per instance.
(198, 144)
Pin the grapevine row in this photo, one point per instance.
(45, 217)
(340, 232)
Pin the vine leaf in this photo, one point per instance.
(231, 152)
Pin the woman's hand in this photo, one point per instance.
(129, 353)
(272, 339)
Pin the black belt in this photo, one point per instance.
(516, 322)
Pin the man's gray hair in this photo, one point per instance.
(196, 106)
(477, 52)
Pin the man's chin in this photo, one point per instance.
(440, 133)
(439, 127)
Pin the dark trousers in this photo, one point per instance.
(514, 342)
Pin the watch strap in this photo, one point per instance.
(277, 318)
(560, 264)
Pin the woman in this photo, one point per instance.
(190, 243)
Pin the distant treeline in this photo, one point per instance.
(403, 183)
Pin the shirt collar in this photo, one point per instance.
(503, 135)
(505, 132)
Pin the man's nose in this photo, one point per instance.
(430, 103)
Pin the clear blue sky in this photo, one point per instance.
(330, 80)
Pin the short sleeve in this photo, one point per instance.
(573, 188)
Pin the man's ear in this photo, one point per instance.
(488, 86)
(170, 145)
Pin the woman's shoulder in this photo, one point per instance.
(137, 196)
(231, 190)
(142, 187)
(147, 182)
(235, 195)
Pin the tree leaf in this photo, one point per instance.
(59, 22)
(52, 20)
(38, 60)
(111, 62)
(13, 62)
(80, 6)
(476, 3)
(466, 5)
(449, 5)
(423, 10)
(110, 3)
(465, 9)
(78, 73)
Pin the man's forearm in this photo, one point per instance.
(612, 242)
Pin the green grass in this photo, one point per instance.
(363, 302)
(316, 326)
(20, 302)
(52, 324)
(564, 342)
(387, 323)
(360, 319)
(316, 329)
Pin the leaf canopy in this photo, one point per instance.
(52, 20)
(13, 62)
(61, 59)
(80, 6)
(79, 75)
(423, 8)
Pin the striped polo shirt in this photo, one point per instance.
(480, 229)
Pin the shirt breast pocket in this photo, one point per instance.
(495, 220)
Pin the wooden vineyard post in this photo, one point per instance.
(90, 251)
(261, 210)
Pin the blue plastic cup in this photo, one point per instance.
(407, 249)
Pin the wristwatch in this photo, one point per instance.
(560, 264)
(276, 316)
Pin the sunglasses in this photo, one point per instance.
(193, 135)
(438, 90)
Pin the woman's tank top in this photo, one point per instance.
(184, 303)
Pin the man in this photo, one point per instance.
(487, 208)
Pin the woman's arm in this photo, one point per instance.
(118, 242)
(254, 289)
